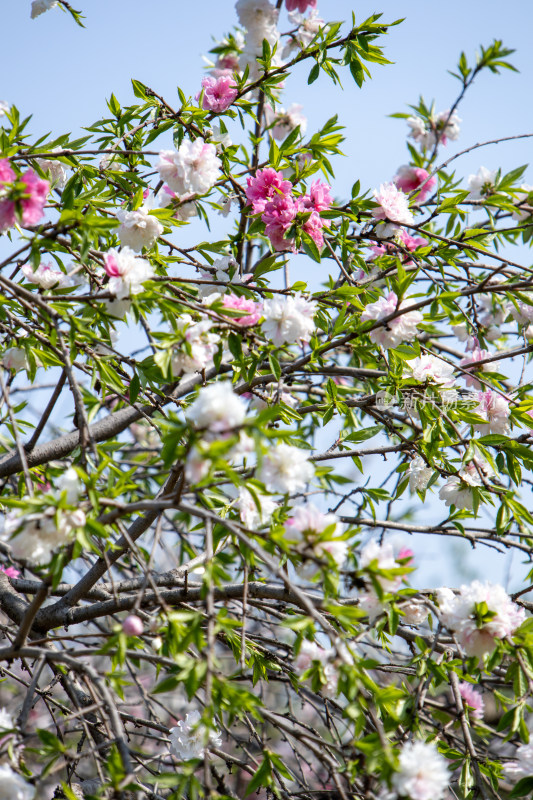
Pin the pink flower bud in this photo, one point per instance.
(132, 625)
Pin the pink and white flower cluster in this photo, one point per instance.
(307, 29)
(495, 409)
(393, 206)
(402, 328)
(318, 535)
(271, 196)
(444, 126)
(260, 19)
(378, 558)
(431, 368)
(22, 198)
(480, 614)
(192, 169)
(199, 348)
(288, 319)
(45, 276)
(126, 272)
(34, 537)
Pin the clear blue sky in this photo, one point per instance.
(62, 74)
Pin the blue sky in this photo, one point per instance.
(70, 71)
(62, 74)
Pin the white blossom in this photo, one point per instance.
(4, 107)
(285, 121)
(308, 27)
(422, 772)
(110, 161)
(414, 613)
(256, 14)
(69, 482)
(308, 525)
(523, 766)
(219, 138)
(479, 614)
(36, 536)
(402, 328)
(217, 408)
(54, 169)
(138, 228)
(419, 474)
(196, 466)
(482, 183)
(45, 276)
(193, 169)
(38, 7)
(13, 786)
(6, 720)
(288, 319)
(456, 493)
(191, 737)
(252, 516)
(285, 469)
(15, 358)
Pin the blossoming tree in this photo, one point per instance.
(200, 592)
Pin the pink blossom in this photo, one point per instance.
(314, 227)
(11, 572)
(219, 93)
(6, 173)
(405, 554)
(226, 65)
(278, 217)
(133, 625)
(36, 193)
(408, 179)
(266, 184)
(252, 310)
(410, 242)
(393, 205)
(319, 198)
(473, 699)
(476, 355)
(7, 214)
(300, 5)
